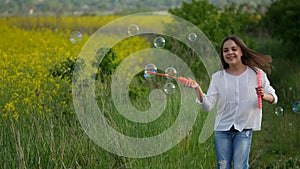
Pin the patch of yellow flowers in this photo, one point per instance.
(26, 57)
(28, 52)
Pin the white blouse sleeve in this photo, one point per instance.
(268, 88)
(210, 98)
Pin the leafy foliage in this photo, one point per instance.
(283, 21)
(215, 22)
(64, 70)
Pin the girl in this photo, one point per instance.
(233, 90)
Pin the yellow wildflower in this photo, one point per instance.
(54, 92)
(16, 116)
(26, 100)
(9, 107)
(5, 115)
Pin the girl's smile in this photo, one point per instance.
(232, 53)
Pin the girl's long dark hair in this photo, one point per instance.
(250, 57)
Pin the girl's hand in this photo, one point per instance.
(260, 91)
(194, 85)
(191, 84)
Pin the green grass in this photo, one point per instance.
(58, 141)
(277, 145)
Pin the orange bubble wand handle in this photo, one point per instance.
(158, 74)
(180, 79)
(184, 80)
(259, 99)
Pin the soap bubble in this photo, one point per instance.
(171, 72)
(169, 88)
(133, 29)
(159, 42)
(150, 70)
(279, 111)
(147, 75)
(192, 36)
(75, 37)
(296, 107)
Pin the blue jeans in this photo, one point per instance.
(233, 147)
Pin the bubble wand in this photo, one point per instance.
(180, 79)
(259, 99)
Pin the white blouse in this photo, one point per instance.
(236, 99)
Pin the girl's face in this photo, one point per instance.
(232, 53)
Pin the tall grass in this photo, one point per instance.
(276, 145)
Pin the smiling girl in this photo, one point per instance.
(234, 91)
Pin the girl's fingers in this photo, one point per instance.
(259, 90)
(189, 83)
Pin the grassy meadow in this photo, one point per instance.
(39, 127)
